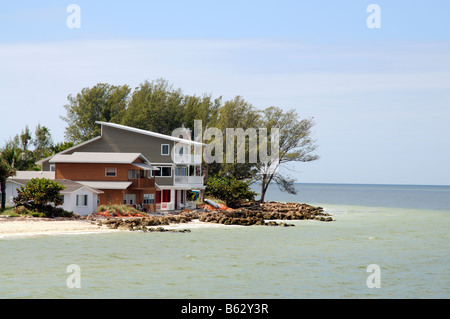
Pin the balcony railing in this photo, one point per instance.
(142, 182)
(191, 180)
(187, 159)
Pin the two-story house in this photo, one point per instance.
(177, 169)
(122, 178)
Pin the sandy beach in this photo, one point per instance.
(19, 227)
(32, 227)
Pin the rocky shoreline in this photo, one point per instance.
(248, 214)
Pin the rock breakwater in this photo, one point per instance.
(248, 214)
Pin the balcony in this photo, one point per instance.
(142, 182)
(188, 180)
(187, 159)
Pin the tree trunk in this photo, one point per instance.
(3, 190)
(263, 189)
(264, 186)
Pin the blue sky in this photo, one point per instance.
(380, 97)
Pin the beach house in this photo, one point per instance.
(122, 178)
(172, 167)
(78, 198)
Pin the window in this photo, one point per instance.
(164, 171)
(52, 167)
(133, 174)
(149, 199)
(129, 199)
(82, 200)
(165, 149)
(181, 171)
(110, 172)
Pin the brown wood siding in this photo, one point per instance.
(91, 171)
(97, 172)
(115, 197)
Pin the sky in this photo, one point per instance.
(380, 97)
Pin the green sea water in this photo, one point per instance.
(311, 260)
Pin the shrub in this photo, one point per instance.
(39, 197)
(229, 189)
(119, 209)
(39, 192)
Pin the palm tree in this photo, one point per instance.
(7, 169)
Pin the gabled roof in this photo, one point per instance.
(106, 185)
(99, 157)
(33, 174)
(150, 133)
(70, 186)
(69, 149)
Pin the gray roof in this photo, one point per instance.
(33, 174)
(150, 133)
(70, 186)
(106, 185)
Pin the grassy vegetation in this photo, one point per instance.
(9, 212)
(119, 209)
(47, 211)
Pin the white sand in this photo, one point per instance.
(16, 227)
(12, 227)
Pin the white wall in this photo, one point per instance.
(11, 192)
(70, 199)
(70, 202)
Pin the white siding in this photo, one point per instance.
(70, 202)
(11, 192)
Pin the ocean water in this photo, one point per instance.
(404, 230)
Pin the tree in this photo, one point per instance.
(8, 162)
(38, 193)
(205, 109)
(229, 189)
(61, 146)
(295, 145)
(102, 102)
(156, 106)
(235, 114)
(25, 139)
(42, 142)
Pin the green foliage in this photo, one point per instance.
(229, 189)
(103, 102)
(39, 192)
(155, 106)
(7, 169)
(39, 197)
(44, 211)
(234, 114)
(61, 146)
(295, 145)
(42, 142)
